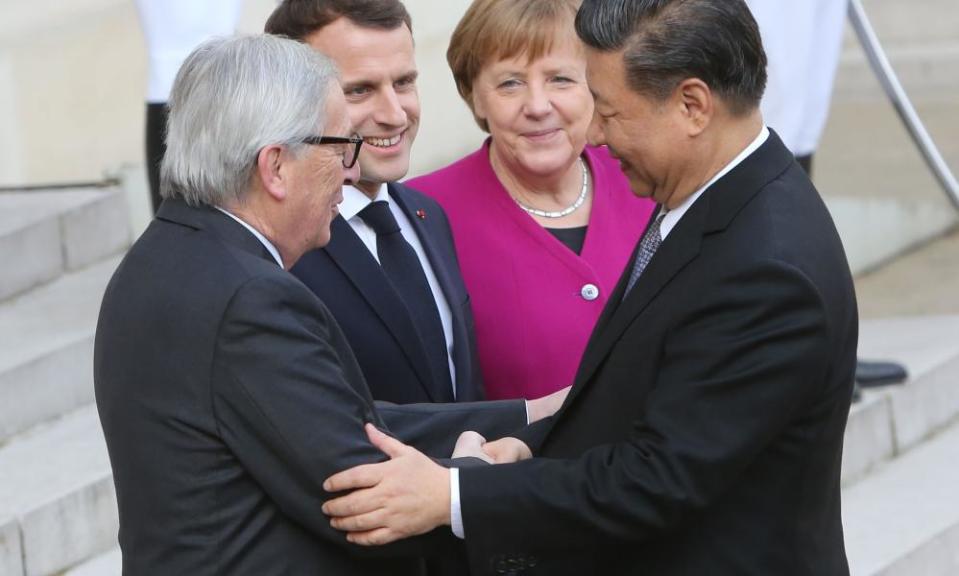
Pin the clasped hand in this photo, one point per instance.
(407, 495)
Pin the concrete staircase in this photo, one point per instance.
(900, 499)
(57, 502)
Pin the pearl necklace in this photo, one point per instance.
(565, 211)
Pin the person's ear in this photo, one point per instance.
(696, 104)
(272, 166)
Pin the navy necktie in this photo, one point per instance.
(405, 272)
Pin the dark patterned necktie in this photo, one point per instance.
(405, 272)
(647, 247)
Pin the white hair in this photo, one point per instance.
(232, 97)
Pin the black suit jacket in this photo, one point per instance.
(703, 434)
(227, 394)
(379, 329)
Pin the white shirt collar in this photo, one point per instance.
(266, 243)
(672, 217)
(355, 200)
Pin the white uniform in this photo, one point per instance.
(803, 39)
(173, 28)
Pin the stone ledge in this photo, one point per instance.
(903, 519)
(56, 483)
(892, 420)
(47, 233)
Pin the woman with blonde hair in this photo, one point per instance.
(544, 224)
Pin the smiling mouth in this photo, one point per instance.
(384, 142)
(541, 133)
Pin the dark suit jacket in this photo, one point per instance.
(379, 329)
(227, 394)
(703, 434)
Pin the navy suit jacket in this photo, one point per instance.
(377, 325)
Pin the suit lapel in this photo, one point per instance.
(352, 257)
(712, 213)
(677, 250)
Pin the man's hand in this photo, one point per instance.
(547, 405)
(405, 496)
(507, 450)
(470, 445)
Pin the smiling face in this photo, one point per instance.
(317, 178)
(538, 112)
(644, 134)
(378, 73)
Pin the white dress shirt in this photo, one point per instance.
(669, 222)
(353, 201)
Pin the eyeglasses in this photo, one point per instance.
(349, 157)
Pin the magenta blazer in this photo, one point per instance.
(534, 300)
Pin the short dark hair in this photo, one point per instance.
(667, 41)
(298, 19)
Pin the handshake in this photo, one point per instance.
(503, 451)
(410, 494)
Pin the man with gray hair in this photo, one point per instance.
(226, 390)
(704, 431)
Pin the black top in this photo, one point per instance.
(573, 238)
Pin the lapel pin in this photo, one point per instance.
(421, 214)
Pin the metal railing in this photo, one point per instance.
(907, 112)
(107, 183)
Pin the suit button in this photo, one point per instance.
(589, 292)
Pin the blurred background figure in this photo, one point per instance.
(173, 28)
(803, 41)
(543, 223)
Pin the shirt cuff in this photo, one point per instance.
(456, 513)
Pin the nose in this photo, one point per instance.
(351, 175)
(594, 134)
(537, 103)
(389, 109)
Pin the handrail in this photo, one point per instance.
(894, 90)
(109, 182)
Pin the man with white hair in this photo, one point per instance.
(226, 390)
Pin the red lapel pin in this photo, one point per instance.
(421, 214)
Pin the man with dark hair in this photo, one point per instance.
(390, 273)
(704, 431)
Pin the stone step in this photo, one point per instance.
(56, 490)
(46, 360)
(903, 519)
(107, 564)
(890, 421)
(46, 233)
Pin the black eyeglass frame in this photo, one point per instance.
(348, 161)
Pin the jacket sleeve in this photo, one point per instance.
(434, 428)
(290, 403)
